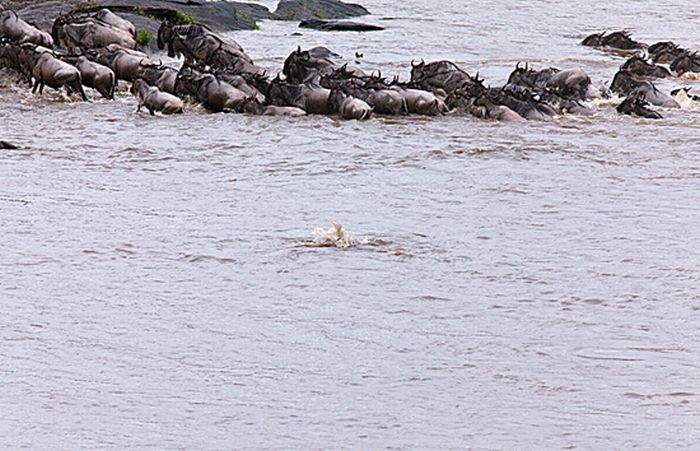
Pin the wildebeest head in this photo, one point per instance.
(621, 40)
(687, 62)
(301, 67)
(636, 104)
(625, 82)
(283, 93)
(665, 52)
(149, 72)
(594, 40)
(641, 67)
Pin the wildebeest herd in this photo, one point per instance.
(98, 50)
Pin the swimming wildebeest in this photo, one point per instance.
(618, 42)
(85, 32)
(155, 100)
(349, 107)
(302, 67)
(625, 83)
(665, 52)
(209, 91)
(636, 105)
(95, 75)
(642, 68)
(48, 70)
(312, 99)
(419, 101)
(568, 83)
(201, 48)
(251, 105)
(16, 29)
(439, 77)
(478, 101)
(372, 89)
(687, 62)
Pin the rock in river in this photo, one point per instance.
(317, 9)
(338, 25)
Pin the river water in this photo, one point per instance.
(513, 286)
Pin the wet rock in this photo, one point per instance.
(317, 9)
(6, 145)
(337, 25)
(42, 14)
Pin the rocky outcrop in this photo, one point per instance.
(219, 16)
(338, 25)
(317, 9)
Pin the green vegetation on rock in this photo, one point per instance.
(182, 18)
(143, 37)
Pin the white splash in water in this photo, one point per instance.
(336, 236)
(685, 101)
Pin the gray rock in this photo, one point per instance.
(42, 14)
(317, 9)
(338, 25)
(219, 15)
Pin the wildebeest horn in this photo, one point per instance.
(413, 64)
(298, 49)
(422, 62)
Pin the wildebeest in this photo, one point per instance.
(568, 83)
(625, 83)
(636, 105)
(86, 32)
(251, 105)
(158, 75)
(16, 29)
(349, 107)
(209, 91)
(95, 75)
(619, 42)
(421, 102)
(439, 77)
(125, 63)
(665, 52)
(9, 55)
(201, 48)
(642, 68)
(302, 67)
(241, 82)
(687, 62)
(312, 99)
(478, 101)
(155, 100)
(48, 70)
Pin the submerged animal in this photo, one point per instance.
(636, 105)
(155, 100)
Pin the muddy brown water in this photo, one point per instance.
(516, 286)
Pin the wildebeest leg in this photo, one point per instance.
(36, 86)
(150, 110)
(41, 88)
(138, 107)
